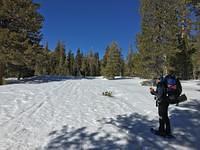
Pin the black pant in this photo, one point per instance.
(164, 123)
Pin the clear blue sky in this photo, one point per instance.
(90, 24)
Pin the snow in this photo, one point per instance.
(47, 113)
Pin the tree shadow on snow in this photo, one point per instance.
(186, 123)
(137, 128)
(134, 127)
(81, 138)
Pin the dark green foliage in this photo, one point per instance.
(129, 64)
(20, 25)
(78, 62)
(58, 61)
(196, 58)
(97, 64)
(18, 71)
(46, 62)
(137, 66)
(60, 53)
(93, 64)
(42, 62)
(90, 65)
(85, 67)
(70, 63)
(169, 40)
(107, 93)
(113, 62)
(195, 8)
(165, 42)
(157, 41)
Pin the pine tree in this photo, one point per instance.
(46, 67)
(41, 62)
(97, 64)
(60, 59)
(183, 62)
(92, 64)
(195, 9)
(70, 63)
(129, 62)
(84, 66)
(78, 62)
(187, 59)
(122, 65)
(104, 61)
(196, 59)
(167, 38)
(137, 65)
(20, 25)
(157, 41)
(113, 61)
(53, 63)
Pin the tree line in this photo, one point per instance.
(64, 62)
(169, 40)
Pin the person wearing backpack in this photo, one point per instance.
(161, 97)
(173, 87)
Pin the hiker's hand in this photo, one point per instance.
(151, 89)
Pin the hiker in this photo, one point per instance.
(161, 99)
(173, 87)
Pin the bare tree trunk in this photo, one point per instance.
(1, 73)
(194, 73)
(165, 65)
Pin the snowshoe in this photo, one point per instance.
(170, 136)
(156, 132)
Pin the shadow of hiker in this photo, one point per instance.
(186, 123)
(131, 132)
(137, 128)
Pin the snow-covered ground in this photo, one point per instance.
(66, 113)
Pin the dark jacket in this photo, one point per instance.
(160, 92)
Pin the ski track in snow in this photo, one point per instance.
(73, 114)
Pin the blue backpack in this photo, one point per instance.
(173, 88)
(171, 85)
